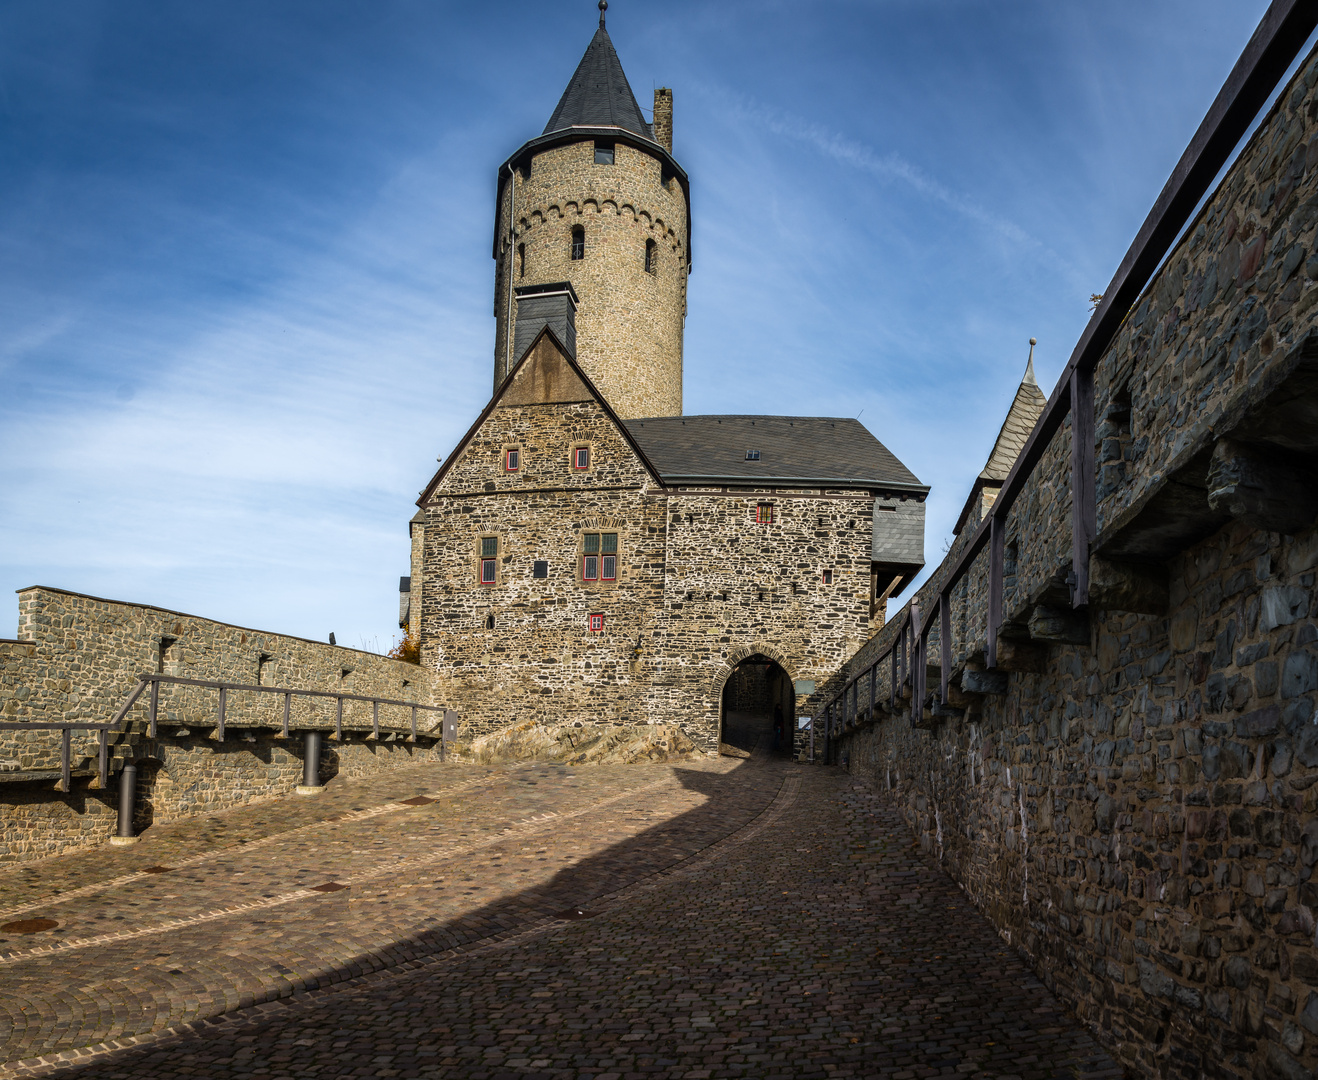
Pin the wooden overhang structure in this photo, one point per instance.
(1274, 45)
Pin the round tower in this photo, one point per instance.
(598, 202)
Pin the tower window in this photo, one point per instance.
(764, 514)
(603, 153)
(651, 257)
(521, 260)
(489, 560)
(512, 460)
(752, 455)
(578, 242)
(599, 557)
(580, 458)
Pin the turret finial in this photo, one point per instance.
(604, 6)
(1029, 364)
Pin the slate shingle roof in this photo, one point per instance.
(1026, 408)
(598, 94)
(794, 450)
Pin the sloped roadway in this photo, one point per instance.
(712, 918)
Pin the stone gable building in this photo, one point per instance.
(587, 552)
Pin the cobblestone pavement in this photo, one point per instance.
(712, 918)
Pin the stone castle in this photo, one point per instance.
(586, 550)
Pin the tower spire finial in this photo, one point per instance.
(604, 6)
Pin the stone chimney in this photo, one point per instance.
(538, 306)
(663, 118)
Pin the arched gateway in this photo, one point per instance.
(757, 700)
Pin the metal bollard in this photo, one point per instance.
(127, 797)
(311, 784)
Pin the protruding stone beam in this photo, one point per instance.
(1062, 626)
(1266, 486)
(984, 682)
(1121, 585)
(1022, 656)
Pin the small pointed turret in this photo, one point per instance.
(598, 94)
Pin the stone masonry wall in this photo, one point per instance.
(1138, 812)
(629, 323)
(77, 658)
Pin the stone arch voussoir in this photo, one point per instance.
(745, 652)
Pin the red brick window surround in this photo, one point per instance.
(764, 513)
(580, 458)
(596, 623)
(599, 556)
(512, 460)
(489, 560)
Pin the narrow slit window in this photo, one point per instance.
(581, 457)
(578, 242)
(828, 577)
(489, 560)
(512, 460)
(651, 257)
(764, 514)
(521, 260)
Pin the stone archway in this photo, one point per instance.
(756, 701)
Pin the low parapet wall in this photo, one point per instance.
(77, 658)
(1132, 795)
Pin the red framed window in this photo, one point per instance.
(581, 457)
(764, 513)
(489, 560)
(828, 577)
(599, 557)
(596, 623)
(512, 460)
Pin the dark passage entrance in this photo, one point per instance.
(758, 702)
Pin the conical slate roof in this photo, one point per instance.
(599, 94)
(1025, 410)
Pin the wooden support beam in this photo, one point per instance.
(1059, 625)
(1083, 514)
(997, 551)
(1119, 585)
(1268, 487)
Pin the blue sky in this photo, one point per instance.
(245, 274)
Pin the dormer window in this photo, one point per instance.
(512, 460)
(603, 153)
(578, 243)
(752, 455)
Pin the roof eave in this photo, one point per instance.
(563, 136)
(797, 481)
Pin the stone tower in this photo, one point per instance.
(593, 220)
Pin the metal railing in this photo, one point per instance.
(1275, 43)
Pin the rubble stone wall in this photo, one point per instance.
(1138, 812)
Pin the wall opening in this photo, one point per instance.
(757, 706)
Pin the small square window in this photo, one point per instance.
(596, 623)
(512, 460)
(540, 568)
(828, 577)
(752, 455)
(581, 457)
(764, 514)
(603, 153)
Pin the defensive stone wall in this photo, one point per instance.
(78, 657)
(630, 321)
(1132, 797)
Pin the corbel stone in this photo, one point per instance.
(984, 682)
(1270, 488)
(1121, 585)
(1022, 656)
(1058, 625)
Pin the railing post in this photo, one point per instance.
(127, 797)
(219, 730)
(917, 665)
(441, 740)
(311, 784)
(288, 700)
(997, 549)
(375, 720)
(874, 671)
(944, 644)
(155, 705)
(338, 721)
(892, 684)
(1083, 517)
(812, 740)
(65, 765)
(102, 759)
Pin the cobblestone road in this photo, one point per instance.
(715, 918)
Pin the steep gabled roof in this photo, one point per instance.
(796, 451)
(1026, 408)
(588, 388)
(598, 94)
